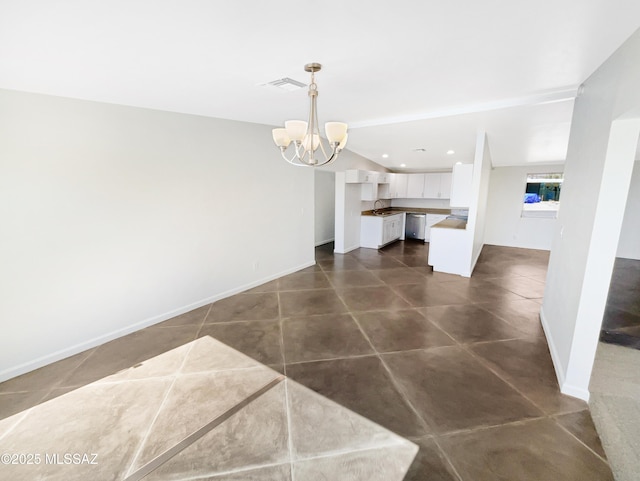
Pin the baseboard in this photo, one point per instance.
(42, 361)
(565, 388)
(346, 249)
(557, 366)
(326, 241)
(575, 391)
(475, 261)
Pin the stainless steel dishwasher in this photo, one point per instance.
(415, 226)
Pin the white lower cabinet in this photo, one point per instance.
(376, 232)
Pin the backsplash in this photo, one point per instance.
(421, 203)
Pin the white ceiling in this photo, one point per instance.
(405, 74)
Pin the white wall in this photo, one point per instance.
(480, 193)
(505, 226)
(629, 245)
(347, 227)
(114, 218)
(350, 160)
(599, 161)
(325, 195)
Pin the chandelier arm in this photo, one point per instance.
(292, 160)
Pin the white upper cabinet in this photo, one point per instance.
(384, 185)
(437, 186)
(398, 186)
(461, 185)
(360, 177)
(415, 186)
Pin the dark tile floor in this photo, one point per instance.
(621, 322)
(459, 366)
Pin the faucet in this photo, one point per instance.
(375, 205)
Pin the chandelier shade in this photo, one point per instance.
(305, 136)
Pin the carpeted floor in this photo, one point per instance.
(615, 407)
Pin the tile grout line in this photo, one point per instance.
(554, 418)
(60, 384)
(287, 401)
(24, 413)
(286, 390)
(402, 394)
(447, 458)
(189, 440)
(488, 366)
(143, 441)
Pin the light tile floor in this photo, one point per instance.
(459, 366)
(123, 422)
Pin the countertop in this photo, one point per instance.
(407, 210)
(451, 224)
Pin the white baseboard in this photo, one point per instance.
(326, 241)
(23, 368)
(475, 261)
(346, 249)
(565, 388)
(575, 391)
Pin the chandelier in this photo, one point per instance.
(305, 136)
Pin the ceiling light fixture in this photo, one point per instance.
(385, 156)
(403, 165)
(451, 152)
(306, 135)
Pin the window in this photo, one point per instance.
(542, 195)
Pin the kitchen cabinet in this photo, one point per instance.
(415, 186)
(369, 188)
(398, 186)
(437, 186)
(431, 220)
(461, 185)
(384, 177)
(360, 176)
(378, 231)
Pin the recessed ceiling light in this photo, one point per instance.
(458, 163)
(385, 156)
(403, 165)
(451, 152)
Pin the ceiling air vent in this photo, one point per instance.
(286, 83)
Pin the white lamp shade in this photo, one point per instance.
(281, 138)
(296, 129)
(335, 131)
(343, 142)
(316, 142)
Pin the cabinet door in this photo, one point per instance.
(398, 229)
(445, 185)
(386, 231)
(431, 186)
(415, 186)
(401, 181)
